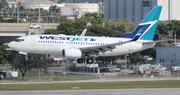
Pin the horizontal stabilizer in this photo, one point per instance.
(157, 41)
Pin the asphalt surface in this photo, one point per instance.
(155, 91)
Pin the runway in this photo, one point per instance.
(154, 91)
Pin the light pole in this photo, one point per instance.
(2, 79)
(2, 12)
(39, 74)
(126, 64)
(39, 13)
(17, 13)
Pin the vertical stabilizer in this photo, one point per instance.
(146, 29)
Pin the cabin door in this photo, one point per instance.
(33, 41)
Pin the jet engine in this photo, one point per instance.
(72, 53)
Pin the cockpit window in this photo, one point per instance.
(19, 40)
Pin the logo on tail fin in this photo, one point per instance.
(146, 29)
(140, 30)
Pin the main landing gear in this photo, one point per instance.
(85, 59)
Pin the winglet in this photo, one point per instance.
(84, 32)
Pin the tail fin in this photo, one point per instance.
(146, 29)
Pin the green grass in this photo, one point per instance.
(106, 85)
(48, 79)
(4, 66)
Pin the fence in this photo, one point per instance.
(41, 76)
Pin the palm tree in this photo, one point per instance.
(53, 9)
(161, 31)
(173, 25)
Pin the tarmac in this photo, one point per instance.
(149, 91)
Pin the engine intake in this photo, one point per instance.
(72, 53)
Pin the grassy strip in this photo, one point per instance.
(106, 85)
(48, 79)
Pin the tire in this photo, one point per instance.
(89, 60)
(80, 60)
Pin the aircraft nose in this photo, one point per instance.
(10, 45)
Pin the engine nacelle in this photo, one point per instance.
(72, 53)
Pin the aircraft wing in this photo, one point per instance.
(108, 47)
(103, 48)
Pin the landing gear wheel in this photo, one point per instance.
(89, 60)
(80, 60)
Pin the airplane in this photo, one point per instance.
(70, 46)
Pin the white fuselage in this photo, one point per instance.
(66, 46)
(55, 46)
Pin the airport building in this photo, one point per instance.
(136, 10)
(71, 10)
(45, 4)
(168, 55)
(78, 10)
